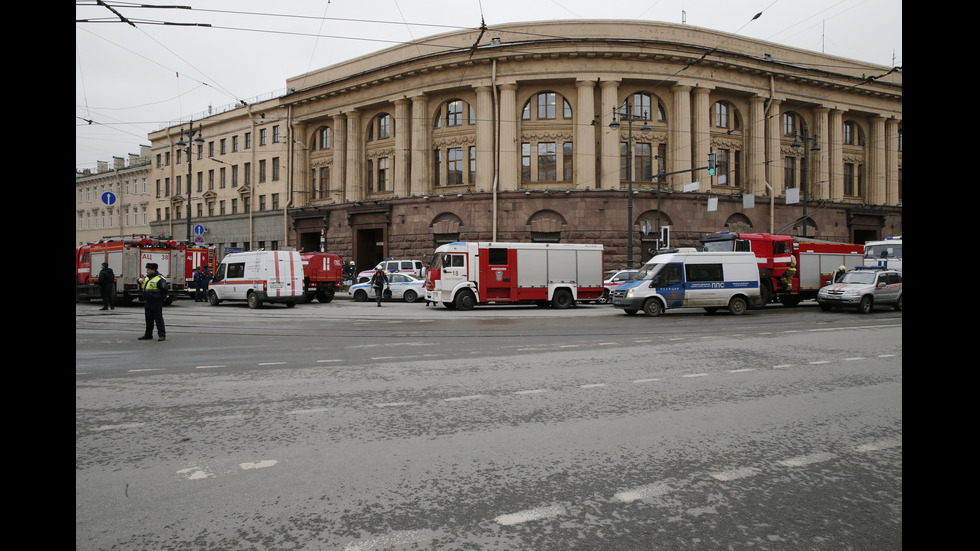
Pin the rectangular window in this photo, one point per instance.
(248, 173)
(546, 105)
(789, 172)
(262, 136)
(525, 162)
(454, 113)
(234, 143)
(211, 179)
(722, 166)
(370, 175)
(261, 203)
(234, 175)
(455, 166)
(437, 167)
(324, 182)
(566, 158)
(472, 159)
(222, 146)
(642, 162)
(547, 162)
(384, 127)
(261, 170)
(849, 179)
(384, 175)
(275, 169)
(497, 257)
(221, 178)
(275, 201)
(704, 273)
(248, 140)
(275, 134)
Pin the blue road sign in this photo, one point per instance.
(199, 230)
(109, 198)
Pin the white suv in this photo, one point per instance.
(863, 288)
(392, 266)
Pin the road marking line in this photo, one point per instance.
(607, 343)
(804, 460)
(645, 380)
(305, 411)
(117, 427)
(735, 474)
(461, 398)
(743, 370)
(258, 465)
(853, 359)
(393, 404)
(887, 355)
(880, 445)
(535, 391)
(141, 370)
(782, 366)
(593, 385)
(528, 515)
(695, 375)
(272, 363)
(208, 366)
(193, 473)
(819, 362)
(326, 361)
(643, 492)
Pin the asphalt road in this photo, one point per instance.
(351, 427)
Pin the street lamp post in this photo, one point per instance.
(200, 141)
(629, 117)
(806, 139)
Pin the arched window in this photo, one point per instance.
(324, 138)
(642, 104)
(546, 107)
(454, 113)
(380, 127)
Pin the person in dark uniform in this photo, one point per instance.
(378, 281)
(155, 289)
(107, 287)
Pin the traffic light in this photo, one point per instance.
(711, 163)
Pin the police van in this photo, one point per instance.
(257, 277)
(709, 280)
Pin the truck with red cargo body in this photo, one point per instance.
(128, 258)
(322, 275)
(464, 274)
(791, 269)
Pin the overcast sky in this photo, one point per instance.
(130, 81)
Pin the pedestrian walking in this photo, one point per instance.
(208, 276)
(155, 289)
(378, 282)
(107, 287)
(198, 285)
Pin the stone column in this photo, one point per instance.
(701, 141)
(609, 161)
(680, 137)
(484, 138)
(774, 164)
(421, 177)
(891, 162)
(875, 154)
(835, 154)
(819, 176)
(585, 176)
(355, 156)
(755, 147)
(338, 172)
(403, 147)
(510, 149)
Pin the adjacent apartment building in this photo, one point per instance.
(113, 201)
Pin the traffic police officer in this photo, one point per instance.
(155, 289)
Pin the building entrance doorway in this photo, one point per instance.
(369, 248)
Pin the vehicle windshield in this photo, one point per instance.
(624, 276)
(858, 277)
(436, 262)
(723, 246)
(647, 271)
(883, 251)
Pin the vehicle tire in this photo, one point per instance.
(253, 301)
(737, 306)
(562, 299)
(604, 299)
(291, 304)
(410, 296)
(766, 293)
(324, 296)
(630, 311)
(866, 304)
(360, 295)
(307, 298)
(449, 305)
(465, 300)
(826, 307)
(542, 303)
(213, 298)
(898, 305)
(652, 307)
(789, 300)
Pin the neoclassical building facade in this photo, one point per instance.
(538, 132)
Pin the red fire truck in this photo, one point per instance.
(128, 257)
(464, 274)
(791, 268)
(322, 275)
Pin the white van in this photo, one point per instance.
(257, 277)
(709, 280)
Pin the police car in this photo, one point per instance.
(403, 286)
(863, 288)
